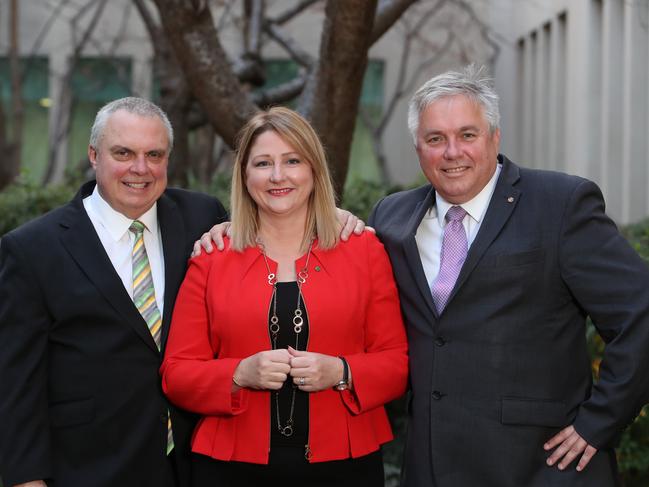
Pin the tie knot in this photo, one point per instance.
(455, 214)
(137, 227)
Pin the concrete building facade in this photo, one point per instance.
(573, 77)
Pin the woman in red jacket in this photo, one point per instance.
(289, 342)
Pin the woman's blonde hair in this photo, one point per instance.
(297, 132)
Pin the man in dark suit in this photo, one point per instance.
(80, 396)
(498, 268)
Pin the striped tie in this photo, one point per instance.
(144, 298)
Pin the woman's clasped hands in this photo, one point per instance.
(309, 371)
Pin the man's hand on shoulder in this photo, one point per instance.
(214, 235)
(569, 445)
(350, 224)
(33, 483)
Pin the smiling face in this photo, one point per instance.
(130, 162)
(457, 152)
(279, 179)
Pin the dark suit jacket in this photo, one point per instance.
(81, 402)
(506, 366)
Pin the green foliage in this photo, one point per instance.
(360, 196)
(219, 187)
(633, 452)
(25, 200)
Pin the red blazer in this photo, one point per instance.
(221, 317)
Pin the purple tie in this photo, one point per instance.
(454, 250)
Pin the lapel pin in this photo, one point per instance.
(317, 268)
(510, 199)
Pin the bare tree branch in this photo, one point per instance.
(404, 83)
(225, 15)
(254, 13)
(46, 28)
(150, 24)
(292, 12)
(485, 30)
(194, 38)
(54, 168)
(294, 50)
(331, 96)
(402, 88)
(281, 93)
(450, 38)
(119, 37)
(387, 13)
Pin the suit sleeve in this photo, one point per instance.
(611, 283)
(192, 378)
(24, 327)
(379, 375)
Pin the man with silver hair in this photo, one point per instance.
(86, 295)
(498, 268)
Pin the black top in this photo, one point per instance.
(287, 293)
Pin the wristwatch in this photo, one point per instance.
(344, 383)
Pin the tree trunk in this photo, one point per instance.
(332, 94)
(192, 33)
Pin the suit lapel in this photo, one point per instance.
(82, 242)
(173, 243)
(502, 204)
(412, 252)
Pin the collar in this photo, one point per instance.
(476, 207)
(253, 256)
(116, 223)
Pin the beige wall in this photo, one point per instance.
(573, 78)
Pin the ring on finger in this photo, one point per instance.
(301, 381)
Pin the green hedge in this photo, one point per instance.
(24, 201)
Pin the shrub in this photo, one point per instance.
(25, 200)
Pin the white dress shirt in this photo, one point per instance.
(430, 232)
(112, 228)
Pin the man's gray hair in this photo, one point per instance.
(130, 104)
(470, 82)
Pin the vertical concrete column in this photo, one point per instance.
(635, 120)
(557, 94)
(596, 160)
(527, 106)
(611, 143)
(580, 146)
(541, 98)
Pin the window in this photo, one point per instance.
(95, 82)
(34, 72)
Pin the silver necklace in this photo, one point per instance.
(298, 322)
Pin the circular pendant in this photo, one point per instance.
(287, 430)
(298, 321)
